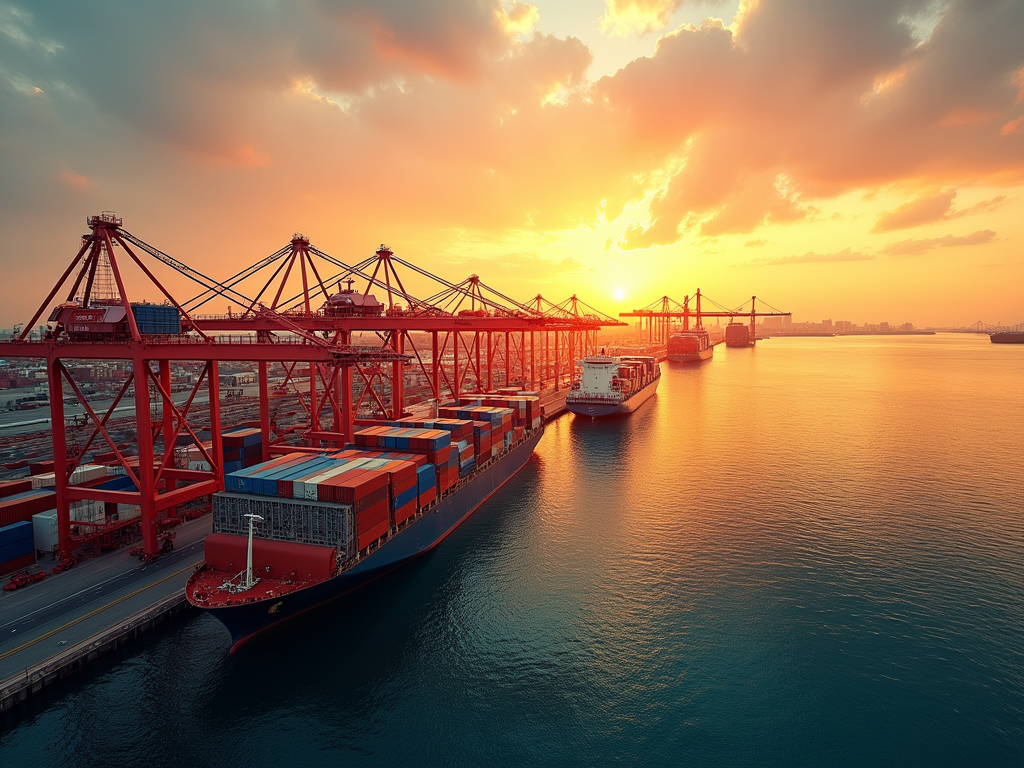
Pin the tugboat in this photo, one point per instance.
(613, 385)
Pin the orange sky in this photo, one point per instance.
(851, 160)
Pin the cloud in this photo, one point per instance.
(817, 258)
(628, 17)
(930, 209)
(755, 243)
(784, 93)
(73, 179)
(917, 247)
(455, 114)
(924, 210)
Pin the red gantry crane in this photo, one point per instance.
(98, 321)
(465, 337)
(661, 313)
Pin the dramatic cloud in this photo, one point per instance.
(923, 210)
(836, 96)
(456, 119)
(628, 17)
(917, 247)
(818, 258)
(929, 209)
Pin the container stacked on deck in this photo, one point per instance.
(17, 550)
(525, 407)
(243, 447)
(492, 427)
(346, 500)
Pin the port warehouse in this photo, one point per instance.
(479, 341)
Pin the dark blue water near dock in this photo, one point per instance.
(807, 553)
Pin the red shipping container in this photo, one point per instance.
(405, 485)
(18, 510)
(371, 500)
(372, 523)
(350, 489)
(10, 487)
(226, 552)
(428, 496)
(404, 513)
(371, 534)
(17, 563)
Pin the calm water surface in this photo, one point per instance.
(808, 553)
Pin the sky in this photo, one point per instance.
(853, 160)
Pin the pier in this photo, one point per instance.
(54, 628)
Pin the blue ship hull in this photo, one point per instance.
(246, 620)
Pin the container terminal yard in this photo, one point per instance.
(159, 402)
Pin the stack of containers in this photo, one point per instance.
(17, 549)
(434, 442)
(263, 479)
(525, 407)
(83, 474)
(88, 511)
(312, 466)
(41, 467)
(367, 491)
(243, 447)
(402, 478)
(196, 459)
(19, 507)
(426, 485)
(10, 487)
(491, 427)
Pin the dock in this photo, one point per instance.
(54, 628)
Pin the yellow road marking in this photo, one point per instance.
(89, 615)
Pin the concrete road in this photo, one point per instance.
(41, 620)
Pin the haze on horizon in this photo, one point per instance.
(849, 160)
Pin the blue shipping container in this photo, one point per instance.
(156, 319)
(12, 534)
(17, 549)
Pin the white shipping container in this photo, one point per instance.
(88, 511)
(128, 511)
(45, 480)
(44, 531)
(82, 474)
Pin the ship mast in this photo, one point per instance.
(253, 519)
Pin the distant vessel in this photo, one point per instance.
(690, 346)
(738, 335)
(613, 385)
(1007, 337)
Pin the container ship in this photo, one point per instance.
(613, 385)
(739, 335)
(692, 346)
(302, 529)
(1007, 337)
